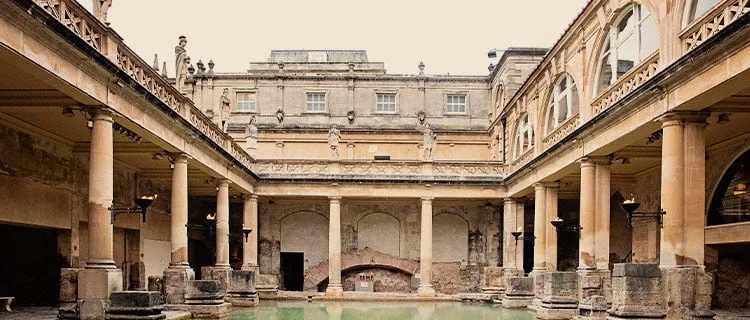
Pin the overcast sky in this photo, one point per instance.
(449, 36)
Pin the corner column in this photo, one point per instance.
(426, 289)
(550, 211)
(179, 272)
(672, 192)
(101, 276)
(511, 247)
(250, 246)
(603, 219)
(222, 225)
(335, 289)
(540, 230)
(587, 249)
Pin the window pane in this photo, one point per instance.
(562, 110)
(605, 73)
(551, 118)
(626, 24)
(573, 100)
(701, 6)
(627, 55)
(649, 37)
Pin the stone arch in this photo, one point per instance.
(305, 231)
(548, 95)
(450, 237)
(718, 191)
(317, 276)
(379, 231)
(603, 35)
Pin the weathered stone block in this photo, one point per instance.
(203, 292)
(222, 274)
(560, 298)
(242, 291)
(687, 291)
(637, 292)
(647, 270)
(69, 284)
(135, 305)
(519, 292)
(175, 284)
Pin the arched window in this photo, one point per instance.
(563, 103)
(499, 98)
(524, 135)
(631, 39)
(731, 201)
(696, 8)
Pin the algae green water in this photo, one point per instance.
(360, 310)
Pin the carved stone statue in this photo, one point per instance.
(251, 136)
(334, 137)
(100, 9)
(182, 61)
(429, 138)
(225, 110)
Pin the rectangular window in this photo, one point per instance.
(246, 102)
(386, 103)
(456, 103)
(316, 102)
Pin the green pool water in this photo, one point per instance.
(359, 310)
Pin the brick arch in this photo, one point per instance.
(316, 275)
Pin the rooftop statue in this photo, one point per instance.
(181, 63)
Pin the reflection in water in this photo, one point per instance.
(301, 310)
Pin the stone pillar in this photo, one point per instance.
(250, 246)
(683, 181)
(100, 277)
(637, 291)
(587, 249)
(521, 222)
(540, 229)
(335, 289)
(550, 211)
(179, 272)
(222, 225)
(559, 300)
(672, 192)
(511, 224)
(425, 251)
(602, 214)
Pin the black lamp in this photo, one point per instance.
(562, 226)
(142, 204)
(246, 231)
(630, 206)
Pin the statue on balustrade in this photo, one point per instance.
(251, 137)
(334, 137)
(225, 110)
(429, 138)
(100, 9)
(182, 61)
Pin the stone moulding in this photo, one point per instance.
(627, 84)
(713, 22)
(562, 131)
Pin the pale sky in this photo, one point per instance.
(450, 37)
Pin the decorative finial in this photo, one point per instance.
(191, 69)
(421, 68)
(211, 66)
(164, 69)
(156, 62)
(201, 68)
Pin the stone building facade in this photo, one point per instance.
(317, 166)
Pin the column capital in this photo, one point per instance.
(224, 183)
(179, 157)
(679, 117)
(510, 200)
(427, 198)
(100, 113)
(546, 184)
(335, 198)
(251, 196)
(539, 186)
(599, 161)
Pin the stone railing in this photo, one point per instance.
(101, 38)
(633, 79)
(522, 160)
(77, 19)
(713, 21)
(376, 170)
(560, 132)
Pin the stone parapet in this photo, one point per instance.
(519, 292)
(637, 292)
(559, 299)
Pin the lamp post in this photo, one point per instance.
(630, 206)
(563, 226)
(142, 204)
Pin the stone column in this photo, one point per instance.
(550, 210)
(672, 192)
(222, 225)
(540, 229)
(101, 276)
(695, 188)
(250, 246)
(602, 214)
(521, 223)
(425, 251)
(179, 205)
(587, 249)
(179, 271)
(335, 289)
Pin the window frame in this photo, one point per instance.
(690, 15)
(612, 44)
(527, 128)
(324, 102)
(447, 104)
(237, 93)
(555, 97)
(395, 95)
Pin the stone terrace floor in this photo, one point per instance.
(735, 314)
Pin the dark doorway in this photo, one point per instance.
(30, 267)
(292, 269)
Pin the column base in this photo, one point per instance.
(688, 292)
(221, 273)
(559, 300)
(637, 290)
(94, 288)
(175, 281)
(250, 267)
(519, 292)
(335, 291)
(426, 291)
(538, 280)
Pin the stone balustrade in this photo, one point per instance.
(625, 85)
(562, 131)
(713, 22)
(384, 171)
